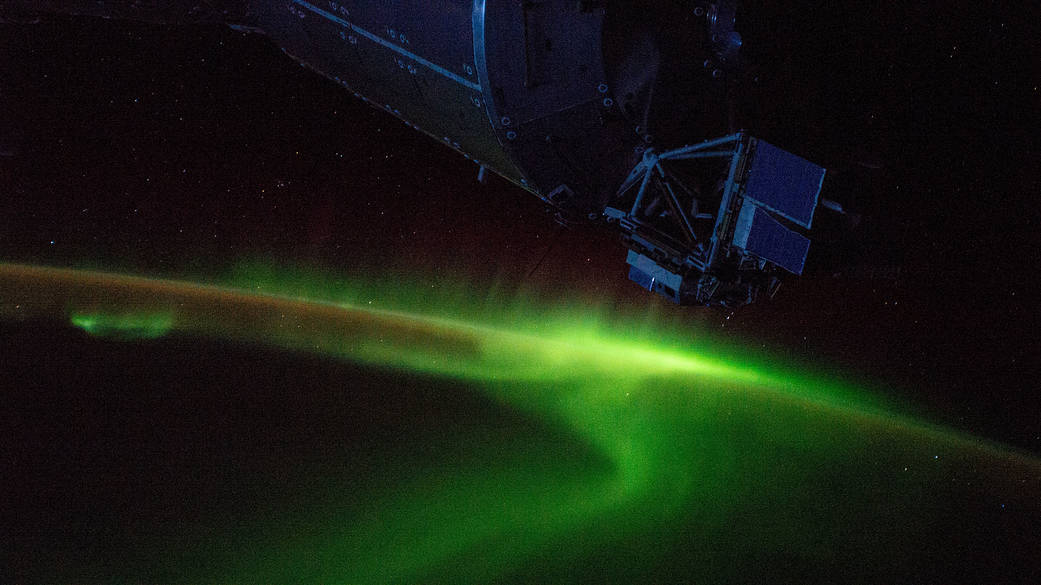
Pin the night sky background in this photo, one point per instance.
(182, 151)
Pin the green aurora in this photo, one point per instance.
(123, 326)
(659, 461)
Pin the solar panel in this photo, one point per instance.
(784, 183)
(766, 238)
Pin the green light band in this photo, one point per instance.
(686, 442)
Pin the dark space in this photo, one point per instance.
(180, 151)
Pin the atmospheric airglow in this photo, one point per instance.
(684, 443)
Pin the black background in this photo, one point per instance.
(179, 151)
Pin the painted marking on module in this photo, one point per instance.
(385, 43)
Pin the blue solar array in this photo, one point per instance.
(765, 237)
(784, 183)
